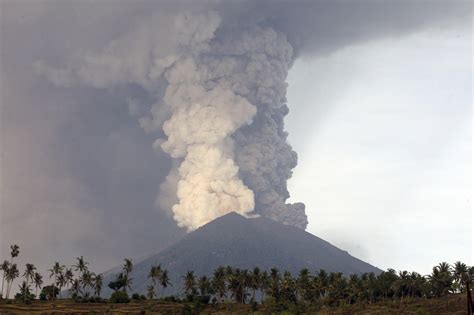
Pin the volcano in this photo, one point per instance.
(244, 243)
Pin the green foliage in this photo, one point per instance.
(119, 297)
(49, 292)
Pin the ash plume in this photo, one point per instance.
(214, 76)
(220, 105)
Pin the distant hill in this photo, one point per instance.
(245, 243)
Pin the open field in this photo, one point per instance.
(455, 304)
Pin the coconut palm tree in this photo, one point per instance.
(150, 292)
(219, 282)
(189, 283)
(98, 282)
(155, 274)
(15, 251)
(29, 275)
(38, 281)
(460, 273)
(61, 281)
(55, 272)
(127, 266)
(255, 281)
(4, 267)
(11, 275)
(76, 288)
(304, 285)
(86, 280)
(164, 281)
(81, 265)
(69, 277)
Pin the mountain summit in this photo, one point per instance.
(245, 243)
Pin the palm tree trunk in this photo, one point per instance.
(3, 281)
(24, 293)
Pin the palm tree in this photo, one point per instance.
(189, 283)
(127, 266)
(29, 275)
(264, 283)
(155, 274)
(127, 269)
(304, 285)
(11, 275)
(86, 281)
(288, 287)
(69, 276)
(164, 281)
(274, 288)
(441, 279)
(150, 292)
(76, 287)
(61, 281)
(24, 290)
(4, 267)
(38, 281)
(54, 272)
(218, 282)
(204, 285)
(461, 271)
(255, 281)
(98, 282)
(81, 265)
(15, 251)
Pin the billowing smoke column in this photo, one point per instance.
(220, 104)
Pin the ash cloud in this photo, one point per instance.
(217, 79)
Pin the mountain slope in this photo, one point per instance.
(245, 243)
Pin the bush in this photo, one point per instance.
(135, 296)
(119, 297)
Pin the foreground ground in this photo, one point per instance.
(455, 304)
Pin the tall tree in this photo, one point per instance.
(98, 282)
(219, 282)
(164, 281)
(4, 267)
(81, 264)
(38, 281)
(11, 275)
(189, 283)
(54, 273)
(29, 275)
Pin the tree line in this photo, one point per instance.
(242, 285)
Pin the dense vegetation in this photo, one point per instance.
(276, 289)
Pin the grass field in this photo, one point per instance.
(455, 304)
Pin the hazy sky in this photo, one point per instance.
(380, 116)
(384, 144)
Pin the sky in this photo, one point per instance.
(385, 161)
(380, 100)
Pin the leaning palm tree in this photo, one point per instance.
(38, 281)
(29, 275)
(4, 267)
(11, 275)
